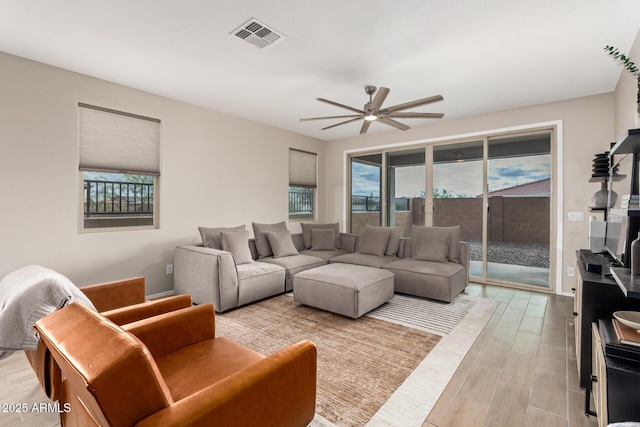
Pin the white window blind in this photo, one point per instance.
(302, 168)
(113, 141)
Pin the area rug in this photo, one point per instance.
(371, 370)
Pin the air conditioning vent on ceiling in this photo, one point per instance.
(257, 34)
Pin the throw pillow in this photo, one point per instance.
(374, 241)
(281, 244)
(432, 246)
(454, 238)
(211, 236)
(394, 239)
(262, 242)
(323, 239)
(306, 232)
(237, 242)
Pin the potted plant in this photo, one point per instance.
(630, 66)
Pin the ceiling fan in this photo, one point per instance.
(372, 111)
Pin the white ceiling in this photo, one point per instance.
(481, 55)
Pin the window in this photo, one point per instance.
(119, 168)
(302, 184)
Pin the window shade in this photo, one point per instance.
(113, 141)
(302, 168)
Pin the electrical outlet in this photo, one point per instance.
(570, 271)
(169, 269)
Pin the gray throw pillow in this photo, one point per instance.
(454, 238)
(323, 239)
(237, 242)
(211, 236)
(281, 244)
(308, 226)
(394, 239)
(374, 241)
(432, 246)
(262, 242)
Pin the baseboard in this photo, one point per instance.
(161, 295)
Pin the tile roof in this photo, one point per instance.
(535, 188)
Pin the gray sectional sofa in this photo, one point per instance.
(251, 269)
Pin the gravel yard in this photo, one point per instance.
(526, 254)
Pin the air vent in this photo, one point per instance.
(256, 33)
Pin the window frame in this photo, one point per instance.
(154, 172)
(300, 177)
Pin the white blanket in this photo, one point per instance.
(26, 295)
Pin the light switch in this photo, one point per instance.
(575, 216)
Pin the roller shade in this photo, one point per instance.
(302, 168)
(113, 141)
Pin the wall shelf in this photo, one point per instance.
(629, 144)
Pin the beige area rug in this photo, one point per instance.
(371, 371)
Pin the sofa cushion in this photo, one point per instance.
(197, 366)
(394, 241)
(326, 255)
(374, 241)
(262, 241)
(323, 239)
(281, 244)
(308, 226)
(454, 237)
(436, 280)
(432, 246)
(364, 259)
(259, 280)
(211, 236)
(294, 265)
(237, 242)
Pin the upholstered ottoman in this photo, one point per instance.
(350, 290)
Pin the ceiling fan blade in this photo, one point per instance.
(412, 104)
(342, 123)
(330, 117)
(365, 127)
(381, 95)
(355, 110)
(391, 122)
(401, 115)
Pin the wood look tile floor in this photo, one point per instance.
(521, 371)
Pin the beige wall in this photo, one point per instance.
(216, 171)
(587, 128)
(219, 170)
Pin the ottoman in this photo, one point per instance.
(350, 290)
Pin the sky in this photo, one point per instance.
(463, 179)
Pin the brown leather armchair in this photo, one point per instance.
(171, 370)
(122, 301)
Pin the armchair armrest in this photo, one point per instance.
(172, 331)
(348, 241)
(208, 275)
(124, 315)
(110, 295)
(279, 390)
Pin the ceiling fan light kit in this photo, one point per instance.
(372, 111)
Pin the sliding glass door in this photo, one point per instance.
(366, 188)
(405, 200)
(497, 188)
(457, 196)
(519, 209)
